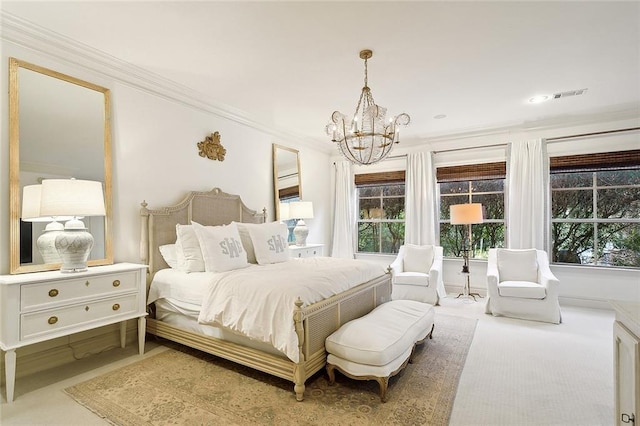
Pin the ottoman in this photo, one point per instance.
(379, 345)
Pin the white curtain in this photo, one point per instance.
(421, 205)
(344, 211)
(527, 199)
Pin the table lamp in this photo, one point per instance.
(31, 213)
(301, 210)
(78, 199)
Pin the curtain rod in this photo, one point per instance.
(584, 135)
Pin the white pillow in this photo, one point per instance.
(518, 265)
(188, 251)
(270, 242)
(417, 258)
(221, 247)
(243, 230)
(170, 255)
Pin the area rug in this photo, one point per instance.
(182, 386)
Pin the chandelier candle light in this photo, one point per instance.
(366, 137)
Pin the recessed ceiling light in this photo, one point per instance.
(539, 98)
(440, 116)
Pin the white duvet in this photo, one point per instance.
(258, 301)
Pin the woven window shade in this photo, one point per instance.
(472, 172)
(595, 162)
(292, 191)
(380, 178)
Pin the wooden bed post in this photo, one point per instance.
(299, 370)
(144, 233)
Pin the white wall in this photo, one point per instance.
(155, 157)
(586, 286)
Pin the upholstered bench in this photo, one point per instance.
(379, 345)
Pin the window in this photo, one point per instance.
(380, 212)
(595, 209)
(478, 183)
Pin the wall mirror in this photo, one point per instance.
(59, 127)
(287, 180)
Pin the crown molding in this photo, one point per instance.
(26, 34)
(616, 114)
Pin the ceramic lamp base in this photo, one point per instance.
(74, 246)
(47, 243)
(301, 232)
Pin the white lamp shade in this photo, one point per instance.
(31, 203)
(71, 197)
(466, 214)
(284, 211)
(301, 210)
(31, 196)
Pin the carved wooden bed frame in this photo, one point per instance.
(313, 323)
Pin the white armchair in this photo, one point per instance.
(521, 285)
(417, 274)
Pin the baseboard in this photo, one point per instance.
(564, 301)
(64, 350)
(585, 303)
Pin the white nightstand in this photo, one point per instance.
(310, 250)
(45, 305)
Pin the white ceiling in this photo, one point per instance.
(289, 65)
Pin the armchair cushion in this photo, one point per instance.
(517, 265)
(417, 258)
(522, 289)
(411, 278)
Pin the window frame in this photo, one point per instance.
(468, 174)
(372, 180)
(593, 164)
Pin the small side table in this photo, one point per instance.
(466, 289)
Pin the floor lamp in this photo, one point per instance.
(466, 214)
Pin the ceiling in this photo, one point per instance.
(289, 65)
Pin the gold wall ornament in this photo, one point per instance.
(212, 148)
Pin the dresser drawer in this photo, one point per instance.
(76, 316)
(306, 251)
(53, 293)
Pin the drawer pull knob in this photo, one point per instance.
(116, 283)
(115, 307)
(86, 308)
(87, 283)
(52, 320)
(53, 292)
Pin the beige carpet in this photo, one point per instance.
(181, 386)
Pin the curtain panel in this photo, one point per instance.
(528, 195)
(344, 215)
(421, 206)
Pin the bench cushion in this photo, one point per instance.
(382, 335)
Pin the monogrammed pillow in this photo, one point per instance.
(221, 247)
(270, 242)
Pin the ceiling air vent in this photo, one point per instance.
(569, 93)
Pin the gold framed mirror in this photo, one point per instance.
(287, 176)
(59, 127)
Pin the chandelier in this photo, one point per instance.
(367, 136)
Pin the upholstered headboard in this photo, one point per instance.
(207, 208)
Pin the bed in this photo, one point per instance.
(312, 323)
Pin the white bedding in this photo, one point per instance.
(258, 301)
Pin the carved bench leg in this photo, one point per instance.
(331, 373)
(384, 383)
